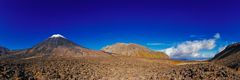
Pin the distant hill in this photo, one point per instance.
(134, 50)
(3, 50)
(230, 56)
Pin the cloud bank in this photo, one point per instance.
(191, 49)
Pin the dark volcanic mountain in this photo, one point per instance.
(229, 51)
(230, 56)
(3, 50)
(134, 50)
(58, 46)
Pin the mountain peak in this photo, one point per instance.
(57, 36)
(55, 41)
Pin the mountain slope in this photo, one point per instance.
(58, 46)
(228, 51)
(3, 50)
(133, 50)
(230, 56)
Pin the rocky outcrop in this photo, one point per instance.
(134, 50)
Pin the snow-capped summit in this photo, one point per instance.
(57, 36)
(58, 46)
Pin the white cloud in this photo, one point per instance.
(156, 44)
(217, 36)
(191, 49)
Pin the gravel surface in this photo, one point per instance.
(114, 68)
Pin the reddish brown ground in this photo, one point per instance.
(112, 68)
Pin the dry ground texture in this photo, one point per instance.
(112, 68)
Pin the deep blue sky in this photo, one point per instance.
(94, 24)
